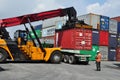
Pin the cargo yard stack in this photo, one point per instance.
(100, 33)
(105, 36)
(72, 38)
(117, 19)
(48, 30)
(112, 40)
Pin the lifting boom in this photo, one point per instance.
(14, 21)
(15, 51)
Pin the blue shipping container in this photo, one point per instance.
(118, 28)
(104, 23)
(112, 40)
(38, 27)
(112, 54)
(95, 37)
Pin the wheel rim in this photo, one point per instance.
(1, 55)
(56, 58)
(65, 58)
(70, 59)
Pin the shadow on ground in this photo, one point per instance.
(114, 66)
(118, 65)
(1, 69)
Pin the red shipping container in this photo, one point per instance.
(77, 38)
(103, 38)
(118, 54)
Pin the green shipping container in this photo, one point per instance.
(38, 32)
(91, 52)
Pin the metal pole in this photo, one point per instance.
(40, 45)
(28, 32)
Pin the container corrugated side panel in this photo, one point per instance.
(91, 52)
(95, 37)
(111, 54)
(50, 31)
(38, 27)
(79, 39)
(95, 21)
(104, 52)
(48, 40)
(118, 54)
(65, 39)
(59, 24)
(113, 26)
(104, 23)
(91, 19)
(48, 22)
(112, 40)
(85, 17)
(103, 38)
(118, 28)
(68, 39)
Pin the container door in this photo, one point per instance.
(88, 39)
(104, 23)
(95, 37)
(112, 40)
(118, 28)
(112, 54)
(103, 38)
(104, 52)
(95, 21)
(78, 39)
(113, 26)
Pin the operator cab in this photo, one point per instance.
(22, 35)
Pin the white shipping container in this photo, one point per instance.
(59, 24)
(48, 40)
(91, 19)
(51, 22)
(50, 31)
(104, 52)
(113, 26)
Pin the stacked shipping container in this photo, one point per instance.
(118, 37)
(100, 32)
(105, 35)
(48, 28)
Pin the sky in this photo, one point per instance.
(12, 8)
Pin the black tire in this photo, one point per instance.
(56, 57)
(66, 58)
(20, 57)
(72, 59)
(3, 55)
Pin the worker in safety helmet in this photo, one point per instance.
(98, 61)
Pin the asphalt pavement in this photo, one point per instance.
(47, 71)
